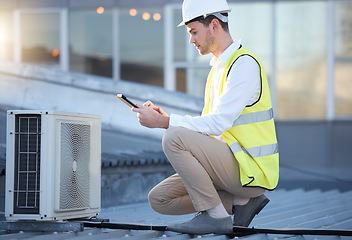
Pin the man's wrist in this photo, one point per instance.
(164, 121)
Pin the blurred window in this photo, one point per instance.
(343, 60)
(142, 45)
(90, 41)
(196, 80)
(6, 36)
(251, 24)
(181, 37)
(189, 79)
(40, 38)
(301, 59)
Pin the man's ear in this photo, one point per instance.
(214, 25)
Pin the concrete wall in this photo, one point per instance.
(315, 154)
(125, 185)
(32, 87)
(316, 144)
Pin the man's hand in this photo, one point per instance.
(151, 116)
(158, 109)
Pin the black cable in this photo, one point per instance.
(322, 232)
(237, 231)
(124, 226)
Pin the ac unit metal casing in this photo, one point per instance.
(53, 165)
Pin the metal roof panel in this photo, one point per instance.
(310, 214)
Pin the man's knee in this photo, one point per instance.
(155, 200)
(172, 136)
(152, 199)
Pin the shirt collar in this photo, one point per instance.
(225, 55)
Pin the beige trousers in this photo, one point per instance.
(207, 174)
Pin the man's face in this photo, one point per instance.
(201, 37)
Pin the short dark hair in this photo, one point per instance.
(207, 20)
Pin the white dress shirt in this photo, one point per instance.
(242, 88)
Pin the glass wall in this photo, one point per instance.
(301, 59)
(181, 38)
(90, 41)
(40, 38)
(191, 68)
(343, 60)
(142, 45)
(180, 44)
(196, 79)
(6, 36)
(255, 35)
(290, 37)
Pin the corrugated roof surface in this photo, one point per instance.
(127, 159)
(287, 209)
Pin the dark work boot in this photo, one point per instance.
(244, 214)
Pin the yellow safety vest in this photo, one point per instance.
(252, 138)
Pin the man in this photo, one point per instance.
(226, 158)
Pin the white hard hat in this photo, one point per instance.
(195, 8)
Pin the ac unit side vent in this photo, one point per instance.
(27, 163)
(74, 169)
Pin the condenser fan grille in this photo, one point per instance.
(74, 169)
(27, 164)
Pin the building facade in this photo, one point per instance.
(305, 46)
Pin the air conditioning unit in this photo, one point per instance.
(53, 165)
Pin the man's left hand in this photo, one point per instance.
(149, 116)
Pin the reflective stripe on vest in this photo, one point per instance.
(254, 117)
(255, 152)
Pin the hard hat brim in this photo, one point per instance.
(181, 24)
(208, 14)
